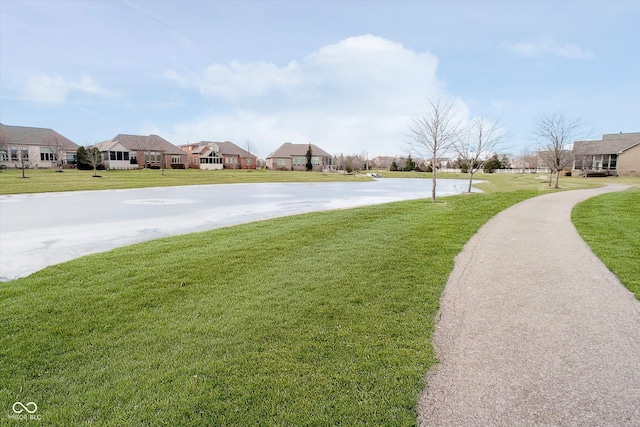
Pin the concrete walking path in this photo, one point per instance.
(533, 329)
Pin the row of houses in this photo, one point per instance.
(614, 154)
(46, 148)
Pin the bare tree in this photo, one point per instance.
(94, 158)
(250, 148)
(435, 132)
(478, 143)
(162, 162)
(555, 133)
(4, 147)
(58, 150)
(21, 158)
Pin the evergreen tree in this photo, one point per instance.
(82, 160)
(309, 165)
(492, 164)
(409, 164)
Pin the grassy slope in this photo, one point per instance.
(316, 319)
(610, 224)
(44, 180)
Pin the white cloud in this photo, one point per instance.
(55, 89)
(547, 46)
(353, 96)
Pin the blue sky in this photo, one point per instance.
(347, 76)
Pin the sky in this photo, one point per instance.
(348, 76)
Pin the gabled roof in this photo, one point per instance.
(612, 143)
(289, 150)
(224, 148)
(141, 143)
(36, 136)
(229, 148)
(207, 152)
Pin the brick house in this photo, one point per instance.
(35, 147)
(293, 157)
(210, 155)
(138, 151)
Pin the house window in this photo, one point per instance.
(24, 154)
(231, 160)
(211, 160)
(248, 161)
(152, 157)
(72, 158)
(176, 160)
(613, 162)
(112, 155)
(578, 162)
(281, 162)
(46, 155)
(4, 155)
(14, 154)
(315, 161)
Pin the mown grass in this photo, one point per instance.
(317, 319)
(500, 182)
(610, 224)
(46, 180)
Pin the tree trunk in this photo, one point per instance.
(557, 179)
(433, 186)
(470, 181)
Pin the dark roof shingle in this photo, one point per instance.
(289, 149)
(141, 143)
(36, 136)
(609, 144)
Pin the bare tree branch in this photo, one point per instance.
(434, 133)
(555, 133)
(477, 144)
(4, 147)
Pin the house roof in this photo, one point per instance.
(141, 143)
(231, 148)
(289, 150)
(207, 152)
(609, 144)
(36, 136)
(224, 148)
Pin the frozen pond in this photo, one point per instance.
(38, 230)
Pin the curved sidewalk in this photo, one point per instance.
(533, 329)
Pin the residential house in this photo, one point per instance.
(294, 157)
(218, 155)
(35, 148)
(138, 151)
(382, 162)
(615, 154)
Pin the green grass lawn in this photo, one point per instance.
(610, 224)
(316, 319)
(47, 180)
